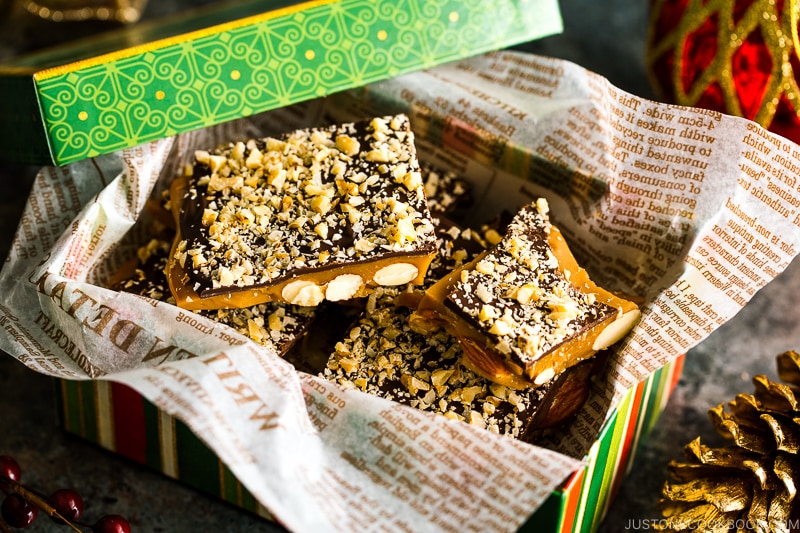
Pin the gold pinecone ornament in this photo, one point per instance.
(751, 484)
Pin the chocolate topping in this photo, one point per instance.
(455, 246)
(271, 209)
(382, 355)
(517, 296)
(145, 276)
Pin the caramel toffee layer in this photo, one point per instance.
(272, 324)
(325, 213)
(524, 311)
(384, 356)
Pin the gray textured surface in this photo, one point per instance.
(605, 36)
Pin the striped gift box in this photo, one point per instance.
(582, 502)
(117, 418)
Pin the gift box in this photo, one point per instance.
(162, 78)
(519, 126)
(117, 418)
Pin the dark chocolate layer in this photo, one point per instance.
(518, 298)
(382, 355)
(267, 210)
(455, 246)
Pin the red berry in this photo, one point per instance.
(111, 523)
(17, 511)
(9, 468)
(68, 503)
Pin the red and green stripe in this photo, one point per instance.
(125, 423)
(117, 418)
(581, 503)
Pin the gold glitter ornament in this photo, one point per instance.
(749, 485)
(734, 56)
(124, 11)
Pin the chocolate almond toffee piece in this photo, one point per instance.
(382, 355)
(455, 246)
(525, 311)
(160, 208)
(144, 275)
(445, 190)
(324, 213)
(272, 324)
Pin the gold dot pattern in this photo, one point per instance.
(356, 36)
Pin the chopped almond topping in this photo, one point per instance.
(310, 199)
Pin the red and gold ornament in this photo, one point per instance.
(739, 57)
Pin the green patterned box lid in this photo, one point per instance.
(157, 80)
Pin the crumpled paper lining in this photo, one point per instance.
(251, 407)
